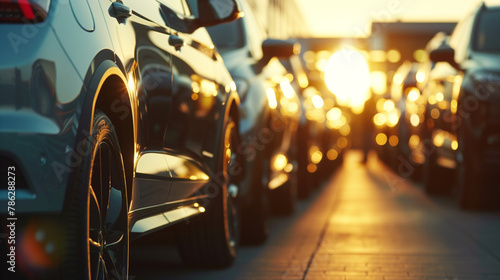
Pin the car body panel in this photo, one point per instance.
(156, 87)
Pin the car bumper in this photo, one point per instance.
(39, 167)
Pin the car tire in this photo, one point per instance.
(255, 216)
(282, 199)
(211, 239)
(435, 178)
(98, 240)
(303, 186)
(474, 191)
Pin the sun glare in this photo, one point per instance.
(348, 77)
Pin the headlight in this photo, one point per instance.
(279, 162)
(317, 101)
(412, 94)
(271, 98)
(287, 88)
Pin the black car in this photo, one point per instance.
(417, 141)
(117, 119)
(466, 134)
(269, 114)
(311, 123)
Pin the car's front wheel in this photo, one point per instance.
(97, 220)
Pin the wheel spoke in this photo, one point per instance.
(94, 245)
(113, 229)
(95, 224)
(105, 274)
(114, 238)
(114, 210)
(105, 182)
(96, 272)
(112, 258)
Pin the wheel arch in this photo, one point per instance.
(107, 91)
(113, 100)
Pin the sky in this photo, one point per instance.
(353, 17)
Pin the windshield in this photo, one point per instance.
(487, 39)
(227, 36)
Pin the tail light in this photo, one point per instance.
(23, 11)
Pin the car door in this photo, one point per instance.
(198, 96)
(141, 42)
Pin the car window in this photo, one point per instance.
(227, 36)
(178, 6)
(487, 39)
(460, 39)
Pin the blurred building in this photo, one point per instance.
(391, 43)
(281, 19)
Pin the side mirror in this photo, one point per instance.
(204, 13)
(444, 53)
(212, 12)
(278, 48)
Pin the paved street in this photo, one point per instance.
(364, 223)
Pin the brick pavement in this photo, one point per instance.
(384, 231)
(366, 223)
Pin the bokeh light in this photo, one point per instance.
(348, 77)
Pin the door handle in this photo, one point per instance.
(119, 11)
(175, 42)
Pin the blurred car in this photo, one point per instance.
(336, 135)
(269, 115)
(390, 117)
(322, 106)
(311, 127)
(438, 136)
(419, 104)
(465, 122)
(406, 94)
(109, 132)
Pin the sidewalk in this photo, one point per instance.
(386, 228)
(365, 223)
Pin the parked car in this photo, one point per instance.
(438, 136)
(466, 134)
(269, 114)
(108, 132)
(310, 153)
(406, 94)
(322, 106)
(390, 118)
(418, 140)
